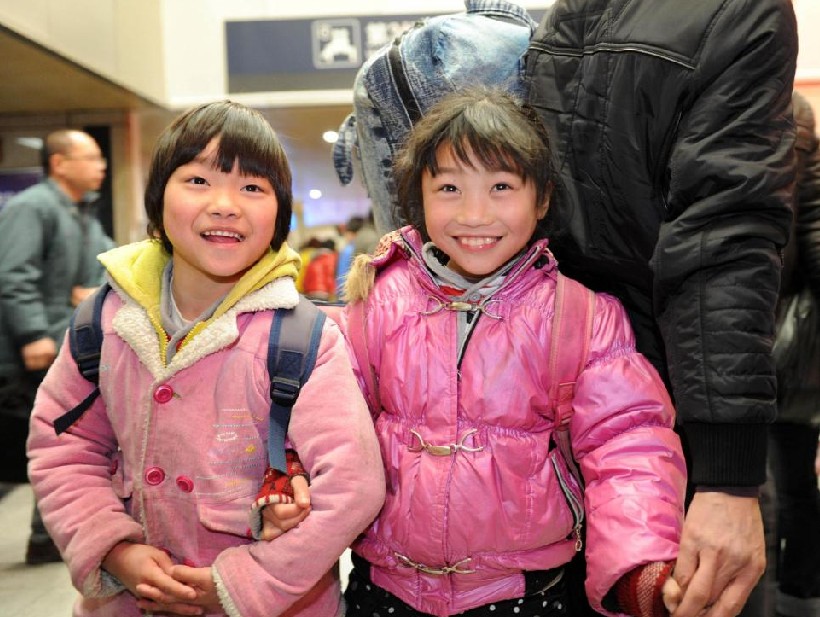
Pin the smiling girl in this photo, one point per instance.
(456, 315)
(450, 324)
(147, 495)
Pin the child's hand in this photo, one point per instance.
(646, 591)
(279, 518)
(672, 594)
(145, 572)
(200, 579)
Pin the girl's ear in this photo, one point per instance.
(541, 210)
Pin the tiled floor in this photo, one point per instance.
(27, 591)
(36, 591)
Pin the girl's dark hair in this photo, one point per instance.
(244, 137)
(489, 124)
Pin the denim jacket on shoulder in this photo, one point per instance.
(483, 45)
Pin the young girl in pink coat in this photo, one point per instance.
(450, 325)
(147, 494)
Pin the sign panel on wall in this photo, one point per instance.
(307, 54)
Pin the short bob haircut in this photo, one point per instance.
(491, 126)
(244, 137)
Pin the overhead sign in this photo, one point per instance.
(307, 54)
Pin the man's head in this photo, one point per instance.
(73, 159)
(353, 225)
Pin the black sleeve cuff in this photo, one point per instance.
(726, 455)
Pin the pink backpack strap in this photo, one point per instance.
(355, 331)
(571, 334)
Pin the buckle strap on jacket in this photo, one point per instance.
(460, 306)
(453, 569)
(444, 450)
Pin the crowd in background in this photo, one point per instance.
(327, 261)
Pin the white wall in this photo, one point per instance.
(118, 39)
(173, 51)
(808, 32)
(194, 31)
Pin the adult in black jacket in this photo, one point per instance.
(672, 133)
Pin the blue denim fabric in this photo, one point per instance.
(483, 45)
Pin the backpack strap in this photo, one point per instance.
(403, 87)
(293, 345)
(85, 337)
(569, 346)
(356, 335)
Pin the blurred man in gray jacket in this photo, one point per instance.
(49, 240)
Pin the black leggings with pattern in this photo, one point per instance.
(364, 599)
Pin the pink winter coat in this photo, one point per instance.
(497, 499)
(173, 456)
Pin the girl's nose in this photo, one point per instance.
(474, 210)
(223, 203)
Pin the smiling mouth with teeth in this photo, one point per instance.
(231, 235)
(477, 242)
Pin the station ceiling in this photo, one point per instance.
(35, 80)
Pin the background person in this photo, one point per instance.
(50, 240)
(346, 253)
(319, 280)
(793, 437)
(367, 237)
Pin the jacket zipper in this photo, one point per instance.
(576, 508)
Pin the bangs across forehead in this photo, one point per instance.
(486, 142)
(492, 156)
(242, 137)
(255, 154)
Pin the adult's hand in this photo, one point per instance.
(722, 555)
(38, 355)
(78, 294)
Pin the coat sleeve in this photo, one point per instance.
(717, 261)
(93, 274)
(71, 475)
(333, 434)
(23, 230)
(629, 454)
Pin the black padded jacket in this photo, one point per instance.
(673, 138)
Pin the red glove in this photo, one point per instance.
(639, 592)
(276, 487)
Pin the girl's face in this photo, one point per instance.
(219, 223)
(478, 217)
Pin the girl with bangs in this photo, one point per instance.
(147, 494)
(450, 325)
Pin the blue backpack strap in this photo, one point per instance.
(85, 337)
(293, 345)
